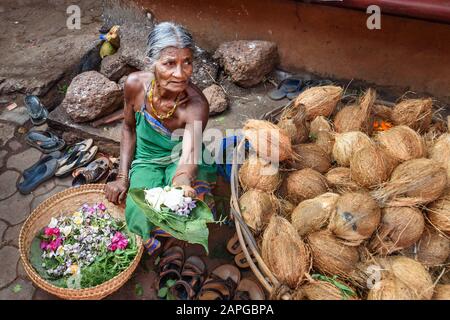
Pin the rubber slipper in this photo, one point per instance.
(249, 290)
(45, 141)
(37, 112)
(28, 171)
(77, 147)
(77, 160)
(38, 175)
(288, 85)
(94, 172)
(192, 277)
(233, 245)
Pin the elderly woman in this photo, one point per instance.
(158, 102)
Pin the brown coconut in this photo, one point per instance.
(414, 113)
(324, 290)
(285, 253)
(257, 173)
(441, 292)
(313, 214)
(257, 207)
(293, 122)
(402, 143)
(382, 112)
(356, 217)
(413, 182)
(311, 156)
(432, 249)
(439, 213)
(331, 256)
(440, 152)
(402, 278)
(285, 208)
(400, 228)
(357, 117)
(303, 184)
(269, 141)
(319, 101)
(325, 140)
(340, 179)
(319, 124)
(346, 144)
(371, 166)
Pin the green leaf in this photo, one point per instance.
(138, 290)
(17, 288)
(170, 283)
(163, 292)
(158, 258)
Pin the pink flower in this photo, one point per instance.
(122, 244)
(44, 245)
(101, 206)
(112, 247)
(118, 241)
(51, 232)
(53, 245)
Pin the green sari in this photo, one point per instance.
(154, 166)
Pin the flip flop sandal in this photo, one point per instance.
(74, 149)
(36, 110)
(30, 170)
(221, 284)
(77, 160)
(38, 175)
(241, 261)
(249, 290)
(93, 173)
(233, 245)
(288, 85)
(170, 266)
(192, 277)
(44, 141)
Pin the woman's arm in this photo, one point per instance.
(116, 190)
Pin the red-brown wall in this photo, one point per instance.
(406, 54)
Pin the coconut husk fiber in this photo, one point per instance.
(311, 156)
(402, 278)
(440, 152)
(400, 228)
(303, 184)
(382, 112)
(293, 122)
(325, 140)
(313, 214)
(413, 182)
(319, 101)
(257, 173)
(325, 290)
(441, 292)
(402, 143)
(340, 180)
(285, 253)
(331, 256)
(356, 217)
(269, 141)
(371, 166)
(319, 124)
(285, 208)
(357, 117)
(438, 213)
(414, 113)
(257, 207)
(432, 249)
(346, 144)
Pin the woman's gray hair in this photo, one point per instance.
(168, 34)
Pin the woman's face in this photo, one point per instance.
(174, 69)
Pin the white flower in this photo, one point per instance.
(60, 251)
(53, 223)
(155, 197)
(66, 230)
(78, 220)
(174, 199)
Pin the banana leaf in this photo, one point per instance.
(192, 229)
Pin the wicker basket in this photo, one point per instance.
(68, 201)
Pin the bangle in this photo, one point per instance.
(122, 176)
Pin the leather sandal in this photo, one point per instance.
(192, 277)
(221, 284)
(241, 260)
(249, 290)
(93, 173)
(170, 266)
(233, 245)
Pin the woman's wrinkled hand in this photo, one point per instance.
(116, 191)
(189, 191)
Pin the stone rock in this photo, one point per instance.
(122, 81)
(38, 200)
(42, 127)
(12, 235)
(6, 132)
(206, 69)
(216, 98)
(24, 160)
(44, 188)
(8, 262)
(3, 153)
(44, 295)
(3, 227)
(14, 145)
(70, 137)
(247, 62)
(90, 96)
(8, 181)
(18, 290)
(133, 44)
(16, 208)
(114, 67)
(21, 273)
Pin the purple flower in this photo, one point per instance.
(44, 245)
(54, 244)
(101, 206)
(118, 241)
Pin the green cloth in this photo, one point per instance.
(153, 168)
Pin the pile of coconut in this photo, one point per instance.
(351, 200)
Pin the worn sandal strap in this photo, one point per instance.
(216, 286)
(186, 286)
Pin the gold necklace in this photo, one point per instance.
(171, 111)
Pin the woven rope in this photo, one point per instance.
(66, 202)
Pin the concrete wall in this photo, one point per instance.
(406, 54)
